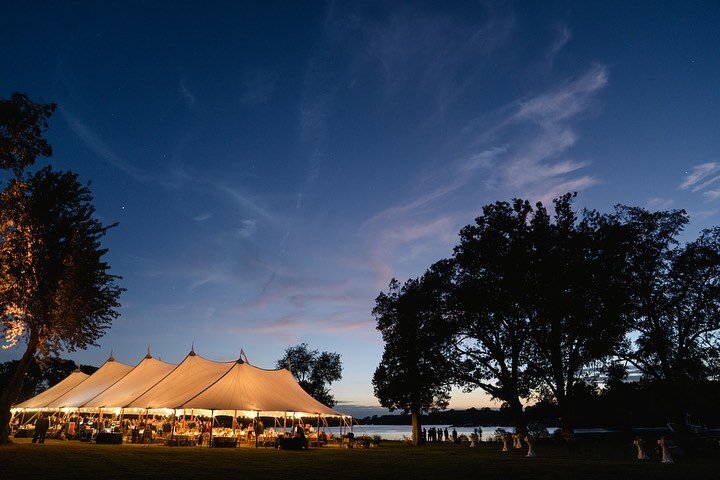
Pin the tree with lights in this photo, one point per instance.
(56, 291)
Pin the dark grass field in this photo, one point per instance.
(603, 460)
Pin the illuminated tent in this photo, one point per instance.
(43, 399)
(189, 378)
(194, 386)
(245, 388)
(144, 376)
(110, 372)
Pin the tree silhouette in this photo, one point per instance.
(314, 370)
(492, 328)
(578, 298)
(415, 371)
(22, 125)
(675, 303)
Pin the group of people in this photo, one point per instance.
(41, 428)
(434, 434)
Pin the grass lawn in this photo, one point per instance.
(70, 460)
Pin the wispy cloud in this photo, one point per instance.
(562, 37)
(187, 94)
(203, 217)
(100, 148)
(697, 177)
(657, 203)
(700, 177)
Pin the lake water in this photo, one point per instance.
(397, 432)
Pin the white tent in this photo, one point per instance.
(189, 378)
(195, 386)
(245, 388)
(110, 372)
(146, 374)
(43, 399)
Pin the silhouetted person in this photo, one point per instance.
(454, 435)
(424, 435)
(41, 429)
(446, 434)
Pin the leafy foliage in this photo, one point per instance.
(413, 374)
(55, 289)
(22, 125)
(492, 299)
(314, 370)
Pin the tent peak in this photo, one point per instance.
(192, 350)
(111, 358)
(148, 354)
(243, 358)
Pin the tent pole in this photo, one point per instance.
(317, 432)
(285, 424)
(212, 424)
(257, 424)
(172, 432)
(234, 422)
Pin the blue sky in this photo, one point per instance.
(272, 166)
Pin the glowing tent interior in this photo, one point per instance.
(196, 384)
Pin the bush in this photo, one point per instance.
(499, 434)
(376, 439)
(538, 430)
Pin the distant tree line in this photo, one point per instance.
(533, 301)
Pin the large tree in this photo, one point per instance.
(415, 372)
(56, 291)
(314, 370)
(578, 298)
(675, 305)
(493, 313)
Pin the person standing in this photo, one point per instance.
(454, 435)
(446, 434)
(41, 429)
(36, 433)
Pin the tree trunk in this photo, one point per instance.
(8, 397)
(516, 410)
(567, 418)
(416, 428)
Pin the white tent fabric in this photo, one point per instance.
(196, 384)
(251, 389)
(110, 372)
(190, 377)
(146, 374)
(41, 400)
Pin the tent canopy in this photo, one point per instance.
(146, 374)
(195, 385)
(110, 372)
(190, 377)
(43, 399)
(251, 389)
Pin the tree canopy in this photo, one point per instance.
(22, 127)
(414, 374)
(56, 290)
(314, 370)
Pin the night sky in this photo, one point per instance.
(273, 166)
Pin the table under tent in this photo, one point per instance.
(196, 402)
